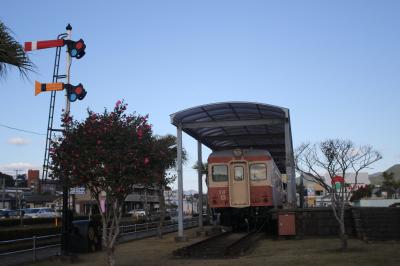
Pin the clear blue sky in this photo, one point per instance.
(334, 64)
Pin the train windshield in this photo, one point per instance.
(219, 173)
(258, 171)
(239, 171)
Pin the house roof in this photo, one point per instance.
(40, 198)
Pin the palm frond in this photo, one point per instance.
(12, 54)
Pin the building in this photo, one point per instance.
(316, 196)
(13, 197)
(33, 180)
(39, 201)
(144, 198)
(49, 186)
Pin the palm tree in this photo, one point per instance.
(167, 153)
(12, 53)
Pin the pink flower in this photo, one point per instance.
(146, 161)
(118, 103)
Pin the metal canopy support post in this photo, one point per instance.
(66, 218)
(291, 190)
(180, 182)
(200, 175)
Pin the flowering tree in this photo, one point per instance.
(107, 153)
(337, 158)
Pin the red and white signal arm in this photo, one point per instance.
(37, 45)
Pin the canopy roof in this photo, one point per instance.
(230, 125)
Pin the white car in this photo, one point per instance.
(40, 213)
(137, 213)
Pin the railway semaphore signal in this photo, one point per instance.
(75, 49)
(41, 87)
(73, 92)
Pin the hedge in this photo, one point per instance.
(33, 221)
(26, 221)
(28, 232)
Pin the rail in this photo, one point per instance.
(127, 233)
(222, 245)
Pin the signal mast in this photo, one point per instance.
(75, 49)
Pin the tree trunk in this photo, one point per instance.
(146, 211)
(343, 236)
(162, 213)
(111, 256)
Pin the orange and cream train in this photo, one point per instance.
(243, 184)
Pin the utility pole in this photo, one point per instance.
(16, 176)
(301, 191)
(4, 192)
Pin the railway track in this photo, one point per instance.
(228, 244)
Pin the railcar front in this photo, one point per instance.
(243, 185)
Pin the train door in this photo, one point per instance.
(239, 189)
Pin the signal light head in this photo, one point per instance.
(79, 45)
(75, 92)
(76, 49)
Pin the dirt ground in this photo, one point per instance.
(152, 251)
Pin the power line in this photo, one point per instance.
(22, 130)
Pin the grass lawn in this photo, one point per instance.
(308, 252)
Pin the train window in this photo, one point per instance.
(258, 171)
(219, 173)
(239, 172)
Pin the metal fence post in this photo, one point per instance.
(34, 248)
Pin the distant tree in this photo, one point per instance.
(336, 157)
(108, 153)
(9, 180)
(204, 171)
(204, 168)
(389, 183)
(362, 192)
(12, 53)
(164, 159)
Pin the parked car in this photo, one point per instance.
(16, 213)
(138, 212)
(4, 214)
(40, 213)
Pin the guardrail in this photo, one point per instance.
(137, 231)
(35, 247)
(127, 233)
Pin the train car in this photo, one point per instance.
(243, 184)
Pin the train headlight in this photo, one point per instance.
(237, 152)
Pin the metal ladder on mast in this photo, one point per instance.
(56, 78)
